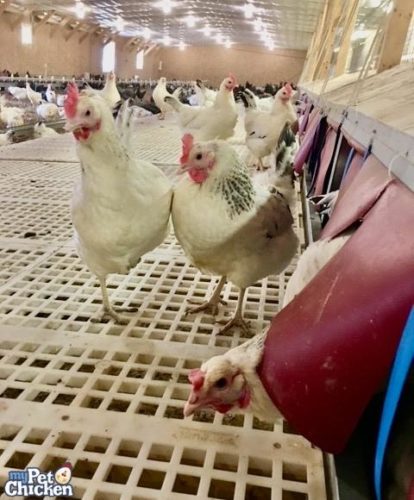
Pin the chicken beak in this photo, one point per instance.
(72, 127)
(192, 404)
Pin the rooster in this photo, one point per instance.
(230, 381)
(211, 122)
(121, 205)
(35, 98)
(225, 226)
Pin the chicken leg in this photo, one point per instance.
(237, 319)
(109, 311)
(261, 167)
(212, 304)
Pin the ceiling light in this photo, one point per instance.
(165, 5)
(248, 10)
(166, 40)
(219, 38)
(207, 30)
(80, 10)
(190, 20)
(146, 33)
(119, 24)
(270, 44)
(182, 45)
(228, 44)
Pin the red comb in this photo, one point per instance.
(233, 77)
(196, 377)
(289, 88)
(71, 101)
(187, 141)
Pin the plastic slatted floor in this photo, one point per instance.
(110, 398)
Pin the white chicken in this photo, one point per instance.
(11, 116)
(225, 226)
(121, 205)
(159, 94)
(282, 104)
(47, 111)
(40, 130)
(50, 94)
(6, 138)
(110, 91)
(205, 96)
(230, 381)
(35, 98)
(263, 129)
(18, 93)
(213, 122)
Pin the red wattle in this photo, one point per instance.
(198, 175)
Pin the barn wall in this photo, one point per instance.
(247, 63)
(62, 57)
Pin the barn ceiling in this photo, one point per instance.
(270, 23)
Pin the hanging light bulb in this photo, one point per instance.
(207, 30)
(146, 33)
(182, 45)
(80, 9)
(119, 24)
(228, 44)
(166, 6)
(248, 10)
(190, 21)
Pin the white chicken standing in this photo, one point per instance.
(282, 104)
(159, 94)
(226, 226)
(121, 205)
(205, 96)
(110, 91)
(230, 381)
(263, 129)
(11, 116)
(210, 122)
(50, 94)
(35, 98)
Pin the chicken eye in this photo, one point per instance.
(88, 112)
(199, 156)
(221, 383)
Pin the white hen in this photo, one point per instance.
(47, 111)
(18, 93)
(35, 98)
(40, 130)
(159, 94)
(205, 96)
(6, 138)
(121, 205)
(109, 93)
(226, 226)
(230, 381)
(210, 122)
(50, 94)
(282, 104)
(12, 117)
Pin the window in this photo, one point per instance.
(26, 33)
(108, 57)
(140, 59)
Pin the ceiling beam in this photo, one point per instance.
(62, 24)
(74, 30)
(149, 49)
(27, 13)
(44, 20)
(90, 32)
(4, 6)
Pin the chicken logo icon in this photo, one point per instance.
(64, 474)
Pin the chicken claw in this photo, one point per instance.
(112, 313)
(208, 306)
(235, 321)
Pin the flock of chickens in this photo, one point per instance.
(228, 224)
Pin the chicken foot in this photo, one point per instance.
(261, 167)
(237, 319)
(109, 311)
(211, 305)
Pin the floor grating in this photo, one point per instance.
(107, 398)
